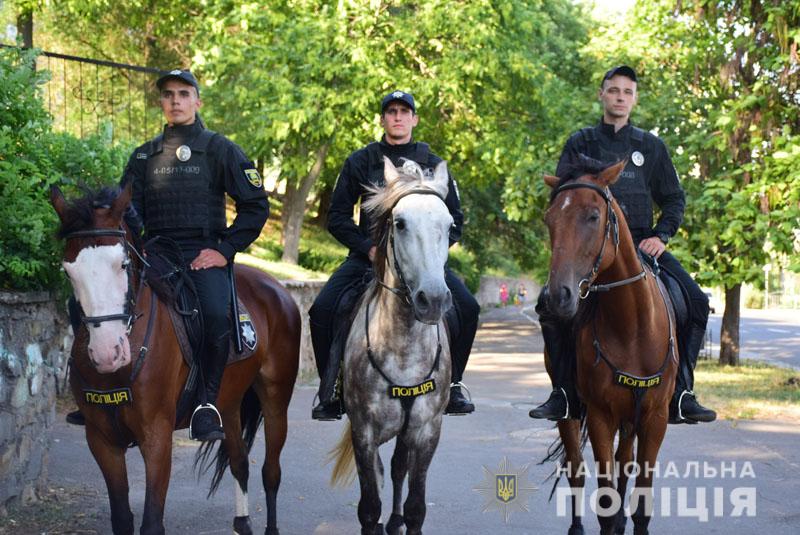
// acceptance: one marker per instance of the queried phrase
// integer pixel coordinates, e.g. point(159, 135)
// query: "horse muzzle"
point(429, 306)
point(562, 301)
point(109, 349)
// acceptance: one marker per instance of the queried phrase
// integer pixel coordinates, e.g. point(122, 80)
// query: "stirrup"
point(681, 418)
point(199, 407)
point(462, 385)
point(566, 398)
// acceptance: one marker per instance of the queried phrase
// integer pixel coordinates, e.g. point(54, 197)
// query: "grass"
point(754, 390)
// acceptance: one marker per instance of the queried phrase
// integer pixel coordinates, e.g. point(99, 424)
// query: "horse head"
point(583, 224)
point(97, 264)
point(412, 229)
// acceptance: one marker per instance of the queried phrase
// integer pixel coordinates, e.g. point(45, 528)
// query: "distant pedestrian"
point(522, 293)
point(503, 294)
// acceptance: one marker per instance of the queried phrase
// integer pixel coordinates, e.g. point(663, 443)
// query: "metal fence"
point(88, 96)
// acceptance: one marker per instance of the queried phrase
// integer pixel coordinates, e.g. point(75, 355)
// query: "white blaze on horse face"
point(421, 249)
point(567, 201)
point(100, 282)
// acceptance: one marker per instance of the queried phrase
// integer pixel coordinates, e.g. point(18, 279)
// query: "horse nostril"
point(565, 294)
point(117, 352)
point(422, 300)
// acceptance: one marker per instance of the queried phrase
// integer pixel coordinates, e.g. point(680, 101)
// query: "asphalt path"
point(506, 376)
point(770, 335)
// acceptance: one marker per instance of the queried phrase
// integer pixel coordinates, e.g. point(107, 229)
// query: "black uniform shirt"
point(235, 175)
point(659, 179)
point(350, 188)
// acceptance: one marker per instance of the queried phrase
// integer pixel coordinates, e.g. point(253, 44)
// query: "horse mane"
point(580, 165)
point(79, 213)
point(383, 200)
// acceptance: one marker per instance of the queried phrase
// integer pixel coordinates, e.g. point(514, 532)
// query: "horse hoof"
point(575, 530)
point(241, 525)
point(396, 522)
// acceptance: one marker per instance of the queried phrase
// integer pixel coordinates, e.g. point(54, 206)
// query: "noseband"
point(127, 315)
point(612, 227)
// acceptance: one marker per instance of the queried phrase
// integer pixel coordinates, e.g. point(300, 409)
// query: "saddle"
point(168, 277)
point(679, 297)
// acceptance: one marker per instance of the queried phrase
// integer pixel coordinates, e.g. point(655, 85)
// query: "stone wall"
point(33, 336)
point(304, 293)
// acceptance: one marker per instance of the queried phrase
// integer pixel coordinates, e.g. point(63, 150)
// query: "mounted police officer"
point(365, 167)
point(648, 177)
point(180, 179)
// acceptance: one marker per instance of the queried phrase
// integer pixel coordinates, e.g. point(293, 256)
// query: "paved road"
point(771, 335)
point(506, 375)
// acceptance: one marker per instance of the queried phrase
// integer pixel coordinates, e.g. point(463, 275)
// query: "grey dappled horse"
point(397, 357)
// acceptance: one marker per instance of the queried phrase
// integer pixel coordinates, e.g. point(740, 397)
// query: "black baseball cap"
point(179, 74)
point(622, 70)
point(400, 96)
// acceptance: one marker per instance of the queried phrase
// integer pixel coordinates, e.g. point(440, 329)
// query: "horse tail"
point(344, 470)
point(557, 453)
point(250, 415)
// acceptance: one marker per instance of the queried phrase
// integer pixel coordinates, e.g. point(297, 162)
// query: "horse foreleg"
point(421, 451)
point(601, 434)
point(156, 450)
point(369, 506)
point(623, 458)
point(650, 438)
point(111, 460)
point(274, 404)
point(399, 471)
point(570, 432)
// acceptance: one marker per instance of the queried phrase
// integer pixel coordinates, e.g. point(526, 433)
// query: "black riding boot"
point(329, 406)
point(684, 407)
point(563, 401)
point(206, 423)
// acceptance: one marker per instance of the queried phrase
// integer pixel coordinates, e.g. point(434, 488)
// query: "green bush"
point(463, 263)
point(32, 158)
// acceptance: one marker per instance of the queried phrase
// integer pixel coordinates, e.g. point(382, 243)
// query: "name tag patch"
point(117, 396)
point(632, 381)
point(425, 387)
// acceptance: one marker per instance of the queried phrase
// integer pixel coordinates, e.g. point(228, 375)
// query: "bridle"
point(128, 315)
point(612, 228)
point(404, 290)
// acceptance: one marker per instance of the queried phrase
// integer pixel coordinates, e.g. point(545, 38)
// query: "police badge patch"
point(637, 158)
point(184, 153)
point(248, 331)
point(252, 175)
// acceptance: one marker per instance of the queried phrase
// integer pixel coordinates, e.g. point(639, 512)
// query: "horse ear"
point(122, 201)
point(58, 201)
point(550, 180)
point(389, 171)
point(609, 175)
point(441, 179)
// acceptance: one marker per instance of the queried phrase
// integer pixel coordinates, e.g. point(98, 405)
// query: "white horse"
point(397, 357)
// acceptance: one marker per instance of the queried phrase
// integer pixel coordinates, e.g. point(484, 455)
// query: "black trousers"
point(462, 322)
point(214, 294)
point(560, 343)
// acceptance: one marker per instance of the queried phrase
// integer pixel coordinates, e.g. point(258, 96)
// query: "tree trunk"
point(294, 207)
point(25, 27)
point(729, 334)
point(324, 201)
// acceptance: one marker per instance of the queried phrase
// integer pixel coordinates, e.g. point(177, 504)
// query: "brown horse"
point(139, 394)
point(625, 344)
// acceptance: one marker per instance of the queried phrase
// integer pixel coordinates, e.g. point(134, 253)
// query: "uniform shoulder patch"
point(141, 155)
point(251, 174)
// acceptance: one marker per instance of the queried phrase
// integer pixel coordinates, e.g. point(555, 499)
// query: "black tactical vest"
point(632, 188)
point(182, 195)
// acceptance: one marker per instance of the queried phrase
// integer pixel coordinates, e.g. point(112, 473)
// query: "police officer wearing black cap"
point(362, 168)
point(180, 179)
point(648, 177)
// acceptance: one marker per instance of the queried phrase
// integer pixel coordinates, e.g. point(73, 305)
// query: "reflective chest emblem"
point(116, 396)
point(184, 153)
point(425, 387)
point(637, 158)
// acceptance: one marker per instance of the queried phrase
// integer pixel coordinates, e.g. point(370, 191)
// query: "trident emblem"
point(506, 487)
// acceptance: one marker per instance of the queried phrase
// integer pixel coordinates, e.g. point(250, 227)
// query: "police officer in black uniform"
point(649, 177)
point(179, 182)
point(364, 167)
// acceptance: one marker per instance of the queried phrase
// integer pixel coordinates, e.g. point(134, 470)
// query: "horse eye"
point(400, 224)
point(593, 216)
point(125, 264)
